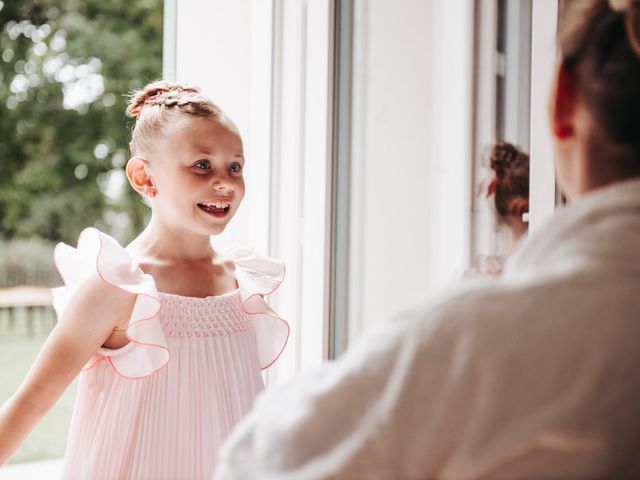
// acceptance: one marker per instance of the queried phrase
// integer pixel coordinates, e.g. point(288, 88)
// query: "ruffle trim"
point(98, 253)
point(258, 277)
point(147, 351)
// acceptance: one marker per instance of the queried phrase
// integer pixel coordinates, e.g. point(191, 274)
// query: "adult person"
point(533, 375)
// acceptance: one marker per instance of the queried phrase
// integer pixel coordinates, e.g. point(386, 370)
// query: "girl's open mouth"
point(217, 209)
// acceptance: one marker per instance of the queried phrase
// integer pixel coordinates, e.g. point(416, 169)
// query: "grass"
point(20, 342)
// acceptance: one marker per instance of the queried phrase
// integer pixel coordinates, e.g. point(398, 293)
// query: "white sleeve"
point(491, 383)
point(362, 416)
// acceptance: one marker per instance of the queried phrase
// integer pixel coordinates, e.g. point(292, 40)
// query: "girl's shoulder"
point(259, 276)
point(100, 274)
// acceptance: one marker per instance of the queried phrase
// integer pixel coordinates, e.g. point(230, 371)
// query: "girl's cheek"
point(198, 178)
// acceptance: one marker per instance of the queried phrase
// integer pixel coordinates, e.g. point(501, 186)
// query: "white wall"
point(411, 153)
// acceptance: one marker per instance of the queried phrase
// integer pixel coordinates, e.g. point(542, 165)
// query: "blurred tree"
point(65, 67)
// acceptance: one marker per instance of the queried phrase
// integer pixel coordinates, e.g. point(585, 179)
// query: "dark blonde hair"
point(599, 44)
point(159, 102)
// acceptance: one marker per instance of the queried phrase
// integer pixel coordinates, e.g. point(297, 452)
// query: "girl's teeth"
point(216, 205)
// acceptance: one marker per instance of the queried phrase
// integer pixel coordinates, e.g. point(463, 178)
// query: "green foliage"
point(65, 67)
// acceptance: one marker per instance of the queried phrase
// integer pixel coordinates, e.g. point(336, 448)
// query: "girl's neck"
point(163, 243)
point(516, 232)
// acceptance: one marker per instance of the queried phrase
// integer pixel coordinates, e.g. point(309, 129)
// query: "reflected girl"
point(509, 190)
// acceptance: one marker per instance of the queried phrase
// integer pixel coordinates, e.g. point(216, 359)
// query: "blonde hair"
point(160, 102)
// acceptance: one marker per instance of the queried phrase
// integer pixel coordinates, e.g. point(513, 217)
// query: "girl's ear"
point(563, 105)
point(139, 178)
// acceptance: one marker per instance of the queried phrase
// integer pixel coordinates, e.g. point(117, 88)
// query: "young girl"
point(169, 333)
point(510, 191)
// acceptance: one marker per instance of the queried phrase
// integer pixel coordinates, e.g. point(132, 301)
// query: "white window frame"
point(169, 39)
point(301, 185)
point(542, 179)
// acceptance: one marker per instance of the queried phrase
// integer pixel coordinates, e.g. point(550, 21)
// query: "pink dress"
point(159, 407)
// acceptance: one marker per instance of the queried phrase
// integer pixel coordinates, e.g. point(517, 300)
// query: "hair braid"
point(157, 103)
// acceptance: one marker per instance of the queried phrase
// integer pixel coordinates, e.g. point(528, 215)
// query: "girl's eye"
point(235, 168)
point(203, 165)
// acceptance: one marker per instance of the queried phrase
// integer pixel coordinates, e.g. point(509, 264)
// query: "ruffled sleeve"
point(257, 277)
point(98, 253)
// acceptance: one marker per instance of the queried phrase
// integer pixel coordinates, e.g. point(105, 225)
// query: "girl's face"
point(197, 171)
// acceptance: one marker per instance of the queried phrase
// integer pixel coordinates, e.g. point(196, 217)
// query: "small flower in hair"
point(147, 101)
point(492, 187)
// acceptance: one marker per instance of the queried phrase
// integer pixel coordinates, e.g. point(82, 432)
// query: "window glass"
point(64, 71)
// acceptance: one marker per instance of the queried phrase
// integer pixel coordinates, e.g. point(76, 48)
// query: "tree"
point(65, 69)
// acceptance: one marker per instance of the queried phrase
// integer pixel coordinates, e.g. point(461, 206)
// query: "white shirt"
point(534, 375)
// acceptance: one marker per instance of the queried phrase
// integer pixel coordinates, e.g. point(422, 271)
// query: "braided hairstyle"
point(510, 185)
point(599, 44)
point(157, 103)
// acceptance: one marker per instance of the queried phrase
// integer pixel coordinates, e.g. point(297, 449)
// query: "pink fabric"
point(160, 406)
point(100, 254)
point(258, 277)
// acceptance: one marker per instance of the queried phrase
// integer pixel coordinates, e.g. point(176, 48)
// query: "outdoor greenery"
point(65, 69)
point(20, 342)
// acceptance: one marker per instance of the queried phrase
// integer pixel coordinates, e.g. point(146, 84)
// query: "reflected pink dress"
point(159, 407)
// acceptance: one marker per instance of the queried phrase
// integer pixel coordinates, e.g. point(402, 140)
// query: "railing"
point(33, 304)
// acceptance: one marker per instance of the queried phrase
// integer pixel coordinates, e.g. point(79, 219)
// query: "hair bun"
point(154, 93)
point(503, 157)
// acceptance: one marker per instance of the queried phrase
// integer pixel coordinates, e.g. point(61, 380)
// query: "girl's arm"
point(88, 321)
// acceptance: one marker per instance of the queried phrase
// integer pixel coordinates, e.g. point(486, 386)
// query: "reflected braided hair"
point(159, 102)
point(510, 185)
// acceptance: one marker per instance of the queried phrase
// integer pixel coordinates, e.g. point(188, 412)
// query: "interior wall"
point(411, 154)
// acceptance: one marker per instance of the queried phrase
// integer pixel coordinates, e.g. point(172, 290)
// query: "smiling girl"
point(169, 334)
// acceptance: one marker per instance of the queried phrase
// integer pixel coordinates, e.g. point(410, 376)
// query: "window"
point(360, 113)
point(502, 92)
point(276, 61)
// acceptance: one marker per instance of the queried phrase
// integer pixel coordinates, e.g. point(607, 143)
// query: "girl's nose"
point(221, 186)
